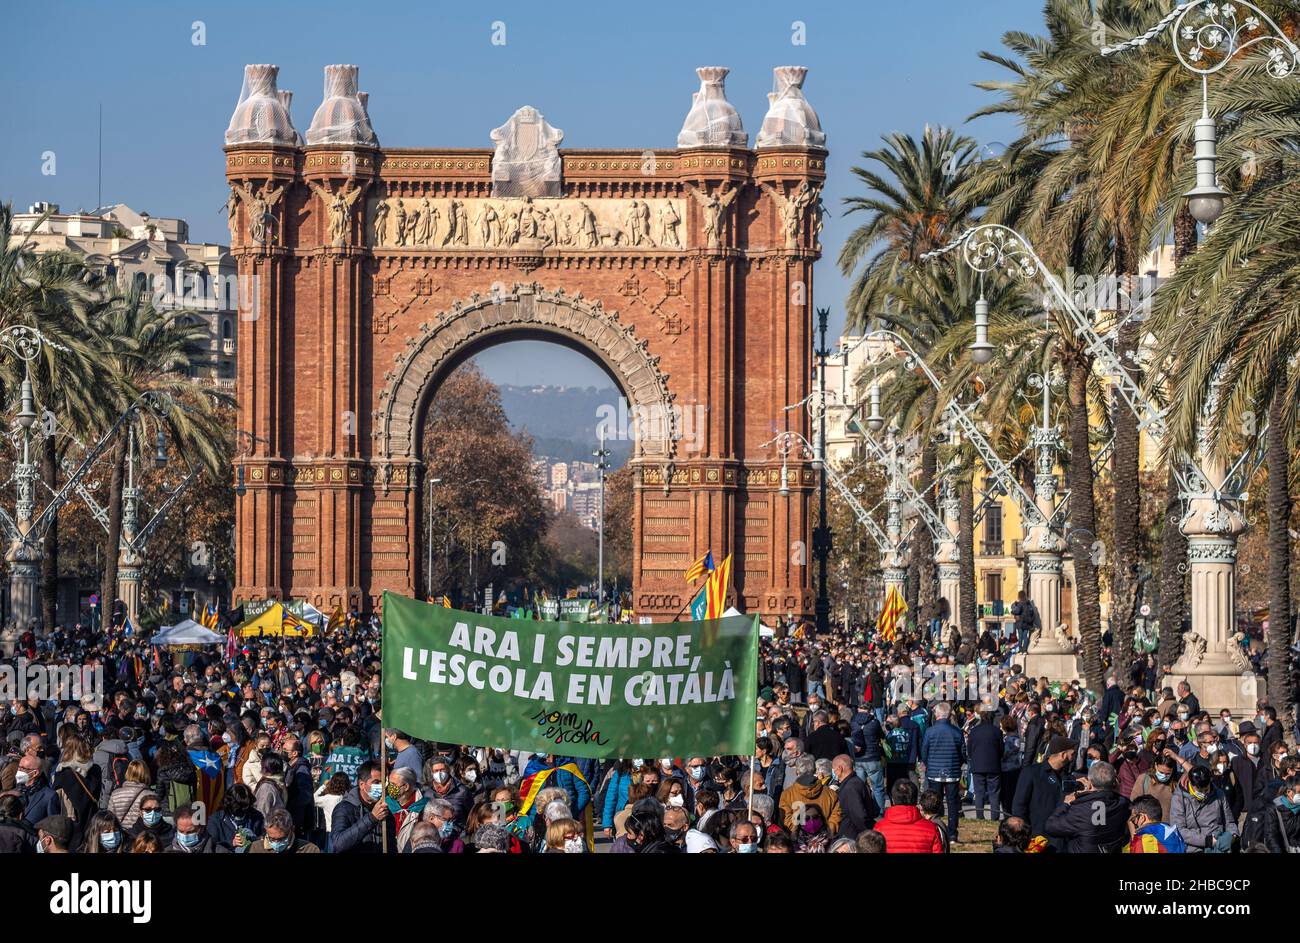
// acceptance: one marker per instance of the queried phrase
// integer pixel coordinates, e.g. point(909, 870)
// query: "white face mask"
point(573, 846)
point(1252, 749)
point(470, 775)
point(440, 777)
point(676, 801)
point(22, 777)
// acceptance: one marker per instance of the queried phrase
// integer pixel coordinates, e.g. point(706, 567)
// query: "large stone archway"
point(369, 271)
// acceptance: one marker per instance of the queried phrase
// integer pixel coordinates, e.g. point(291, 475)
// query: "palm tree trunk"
point(1083, 523)
point(113, 540)
point(50, 552)
point(1279, 561)
point(1126, 509)
point(1173, 544)
point(967, 620)
point(1173, 576)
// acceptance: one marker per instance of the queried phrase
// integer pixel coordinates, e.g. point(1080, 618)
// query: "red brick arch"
point(347, 329)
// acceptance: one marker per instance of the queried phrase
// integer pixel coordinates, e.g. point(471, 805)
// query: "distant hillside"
point(562, 420)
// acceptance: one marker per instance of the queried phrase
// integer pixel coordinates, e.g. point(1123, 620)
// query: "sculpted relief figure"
point(638, 224)
point(338, 206)
point(428, 226)
point(488, 224)
point(511, 234)
point(261, 211)
point(231, 210)
point(587, 238)
point(668, 223)
point(792, 210)
point(457, 224)
point(379, 224)
point(399, 221)
point(715, 206)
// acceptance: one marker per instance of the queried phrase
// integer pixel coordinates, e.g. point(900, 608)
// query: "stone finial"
point(286, 99)
point(789, 119)
point(341, 117)
point(712, 119)
point(527, 159)
point(262, 116)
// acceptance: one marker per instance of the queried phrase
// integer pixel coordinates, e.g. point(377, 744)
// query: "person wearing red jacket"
point(906, 831)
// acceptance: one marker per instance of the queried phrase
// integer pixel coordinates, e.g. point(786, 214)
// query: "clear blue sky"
point(608, 74)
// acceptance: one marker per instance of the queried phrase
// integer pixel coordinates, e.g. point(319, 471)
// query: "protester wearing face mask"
point(357, 819)
point(280, 838)
point(1201, 814)
point(443, 784)
point(54, 835)
point(151, 821)
point(104, 835)
point(191, 836)
point(1281, 819)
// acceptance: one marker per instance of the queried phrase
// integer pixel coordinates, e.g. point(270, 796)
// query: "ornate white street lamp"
point(1206, 36)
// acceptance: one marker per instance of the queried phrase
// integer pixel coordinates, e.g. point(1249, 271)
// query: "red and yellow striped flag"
point(719, 583)
point(887, 621)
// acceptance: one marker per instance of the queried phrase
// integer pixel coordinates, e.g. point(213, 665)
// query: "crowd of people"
point(861, 746)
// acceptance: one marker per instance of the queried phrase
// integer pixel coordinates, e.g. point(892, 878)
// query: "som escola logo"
point(77, 897)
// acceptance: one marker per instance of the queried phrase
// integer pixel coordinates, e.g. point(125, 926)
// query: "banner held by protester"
point(669, 689)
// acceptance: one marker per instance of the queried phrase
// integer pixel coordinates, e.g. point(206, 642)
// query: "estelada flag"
point(530, 786)
point(719, 583)
point(337, 618)
point(701, 566)
point(887, 621)
point(210, 784)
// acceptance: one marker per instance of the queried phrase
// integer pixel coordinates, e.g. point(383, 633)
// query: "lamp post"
point(1210, 490)
point(821, 535)
point(1206, 36)
point(428, 536)
point(1049, 654)
point(24, 553)
point(601, 454)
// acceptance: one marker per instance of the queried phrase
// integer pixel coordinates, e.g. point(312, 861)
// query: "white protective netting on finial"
point(342, 117)
point(790, 119)
point(261, 117)
point(712, 119)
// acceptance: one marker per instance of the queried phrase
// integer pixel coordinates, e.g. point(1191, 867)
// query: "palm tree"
point(150, 352)
point(910, 210)
point(47, 293)
point(1063, 186)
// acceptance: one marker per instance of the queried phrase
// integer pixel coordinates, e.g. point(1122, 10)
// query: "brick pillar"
point(333, 338)
point(264, 267)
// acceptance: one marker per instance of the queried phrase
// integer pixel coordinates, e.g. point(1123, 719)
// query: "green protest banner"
point(668, 689)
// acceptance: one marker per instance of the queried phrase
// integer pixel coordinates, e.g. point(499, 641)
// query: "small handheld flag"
point(701, 566)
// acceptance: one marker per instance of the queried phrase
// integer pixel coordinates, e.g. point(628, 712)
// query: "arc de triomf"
point(369, 273)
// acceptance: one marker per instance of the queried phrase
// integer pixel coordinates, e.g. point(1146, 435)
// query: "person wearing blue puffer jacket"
point(620, 781)
point(943, 750)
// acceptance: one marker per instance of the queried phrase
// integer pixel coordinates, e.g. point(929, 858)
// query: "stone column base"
point(1055, 666)
point(1237, 692)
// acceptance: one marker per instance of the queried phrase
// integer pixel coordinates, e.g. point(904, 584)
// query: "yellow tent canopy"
point(274, 623)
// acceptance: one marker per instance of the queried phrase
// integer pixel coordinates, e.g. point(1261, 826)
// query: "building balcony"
point(228, 346)
point(992, 548)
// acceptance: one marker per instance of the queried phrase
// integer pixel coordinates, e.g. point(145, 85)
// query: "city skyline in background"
point(164, 114)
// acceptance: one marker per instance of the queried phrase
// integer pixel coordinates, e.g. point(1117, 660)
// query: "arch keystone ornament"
point(382, 269)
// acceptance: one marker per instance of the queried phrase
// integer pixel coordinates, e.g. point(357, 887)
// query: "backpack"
point(178, 794)
point(117, 770)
